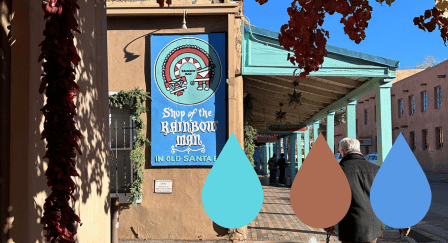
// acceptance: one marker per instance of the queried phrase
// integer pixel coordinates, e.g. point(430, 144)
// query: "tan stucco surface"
point(28, 181)
point(179, 215)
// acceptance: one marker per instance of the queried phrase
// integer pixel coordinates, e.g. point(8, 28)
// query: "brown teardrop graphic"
point(320, 195)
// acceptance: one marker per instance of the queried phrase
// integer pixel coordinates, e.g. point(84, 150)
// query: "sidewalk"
point(278, 223)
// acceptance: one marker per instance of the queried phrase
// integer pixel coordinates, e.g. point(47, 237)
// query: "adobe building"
point(197, 59)
point(418, 112)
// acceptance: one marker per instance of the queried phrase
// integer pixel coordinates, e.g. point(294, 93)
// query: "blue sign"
point(188, 93)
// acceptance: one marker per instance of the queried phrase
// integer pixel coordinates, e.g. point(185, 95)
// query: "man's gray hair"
point(350, 145)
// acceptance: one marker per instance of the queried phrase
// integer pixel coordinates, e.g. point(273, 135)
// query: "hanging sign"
point(188, 108)
point(286, 127)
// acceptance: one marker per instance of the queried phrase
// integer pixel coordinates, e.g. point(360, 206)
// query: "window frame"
point(411, 105)
point(425, 140)
point(424, 98)
point(366, 116)
point(412, 140)
point(400, 108)
point(439, 137)
point(438, 97)
point(123, 197)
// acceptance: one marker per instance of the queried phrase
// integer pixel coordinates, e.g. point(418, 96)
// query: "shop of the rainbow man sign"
point(188, 99)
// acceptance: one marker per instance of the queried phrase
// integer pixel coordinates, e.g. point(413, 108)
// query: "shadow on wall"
point(93, 164)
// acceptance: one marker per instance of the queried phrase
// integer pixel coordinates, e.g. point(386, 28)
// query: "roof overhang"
point(344, 76)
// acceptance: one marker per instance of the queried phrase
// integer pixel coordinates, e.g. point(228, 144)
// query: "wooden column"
point(351, 119)
point(330, 130)
point(384, 119)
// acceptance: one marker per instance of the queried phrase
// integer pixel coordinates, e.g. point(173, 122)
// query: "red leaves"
point(436, 19)
point(307, 41)
point(261, 2)
point(60, 56)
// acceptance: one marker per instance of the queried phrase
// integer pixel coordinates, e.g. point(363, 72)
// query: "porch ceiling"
point(268, 76)
point(317, 93)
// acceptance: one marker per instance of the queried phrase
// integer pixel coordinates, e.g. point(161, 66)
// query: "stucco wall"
point(179, 215)
point(28, 181)
point(432, 159)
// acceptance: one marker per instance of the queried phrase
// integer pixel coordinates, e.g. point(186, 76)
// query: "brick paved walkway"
point(277, 221)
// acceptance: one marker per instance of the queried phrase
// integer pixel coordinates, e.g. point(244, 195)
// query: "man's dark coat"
point(360, 224)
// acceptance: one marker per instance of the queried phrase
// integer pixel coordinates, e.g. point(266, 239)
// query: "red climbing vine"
point(306, 39)
point(58, 82)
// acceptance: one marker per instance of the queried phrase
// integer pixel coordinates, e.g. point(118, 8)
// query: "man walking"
point(360, 224)
point(273, 169)
point(282, 168)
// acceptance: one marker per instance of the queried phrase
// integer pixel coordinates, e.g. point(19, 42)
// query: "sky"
point(391, 32)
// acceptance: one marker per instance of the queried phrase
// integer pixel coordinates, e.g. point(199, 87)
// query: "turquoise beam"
point(307, 142)
point(292, 156)
point(315, 130)
point(299, 155)
point(330, 130)
point(359, 92)
point(351, 119)
point(383, 119)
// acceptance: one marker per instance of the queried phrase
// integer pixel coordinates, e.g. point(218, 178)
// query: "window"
point(374, 112)
point(356, 126)
point(425, 144)
point(439, 138)
point(438, 98)
point(412, 141)
point(121, 135)
point(411, 105)
point(400, 108)
point(366, 116)
point(424, 101)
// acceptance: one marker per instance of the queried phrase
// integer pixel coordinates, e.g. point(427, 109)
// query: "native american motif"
point(176, 76)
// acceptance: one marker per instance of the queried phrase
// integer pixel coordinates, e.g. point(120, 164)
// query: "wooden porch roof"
point(267, 75)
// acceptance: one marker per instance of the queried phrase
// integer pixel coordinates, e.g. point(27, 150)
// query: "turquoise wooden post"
point(307, 142)
point(330, 130)
point(265, 161)
point(292, 156)
point(268, 156)
point(384, 119)
point(351, 119)
point(279, 147)
point(299, 154)
point(285, 150)
point(315, 130)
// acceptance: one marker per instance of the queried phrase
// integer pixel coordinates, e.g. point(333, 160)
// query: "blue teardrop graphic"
point(400, 194)
point(232, 195)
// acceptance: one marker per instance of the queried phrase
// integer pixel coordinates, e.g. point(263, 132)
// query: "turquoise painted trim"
point(299, 154)
point(362, 90)
point(316, 129)
point(351, 119)
point(383, 119)
point(307, 142)
point(292, 157)
point(285, 147)
point(322, 72)
point(272, 37)
point(330, 130)
point(265, 155)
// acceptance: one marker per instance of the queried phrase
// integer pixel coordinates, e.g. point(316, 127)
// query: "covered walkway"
point(344, 77)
